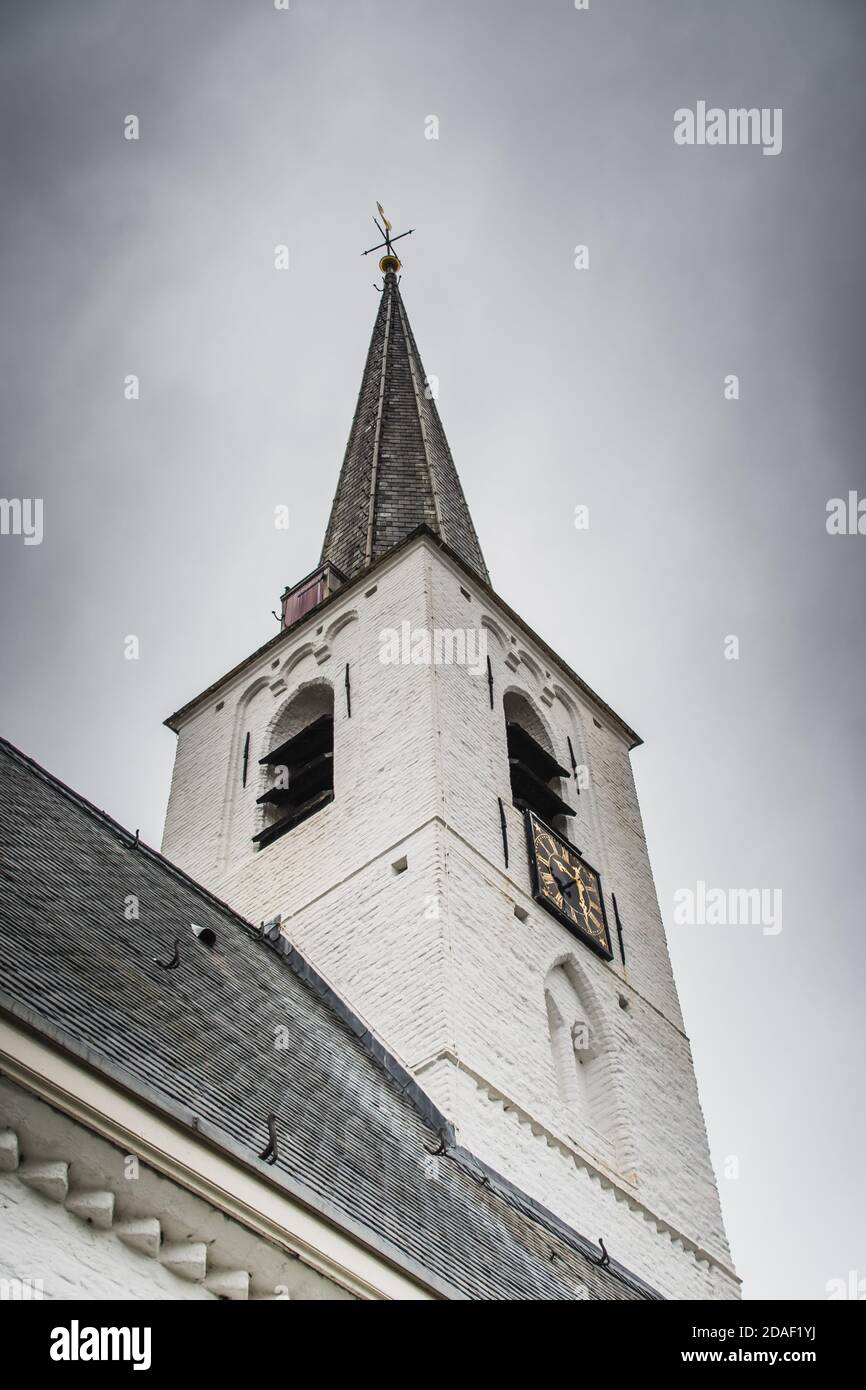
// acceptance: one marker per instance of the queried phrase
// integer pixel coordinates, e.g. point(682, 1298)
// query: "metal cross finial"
point(389, 261)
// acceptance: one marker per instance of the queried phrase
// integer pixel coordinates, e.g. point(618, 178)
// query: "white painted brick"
point(187, 1259)
point(95, 1207)
point(44, 1243)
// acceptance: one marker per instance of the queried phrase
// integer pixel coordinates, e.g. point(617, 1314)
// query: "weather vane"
point(389, 261)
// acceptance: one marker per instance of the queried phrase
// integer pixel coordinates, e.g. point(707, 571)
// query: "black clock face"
point(567, 886)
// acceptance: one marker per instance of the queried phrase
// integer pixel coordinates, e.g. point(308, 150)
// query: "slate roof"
point(397, 472)
point(198, 1044)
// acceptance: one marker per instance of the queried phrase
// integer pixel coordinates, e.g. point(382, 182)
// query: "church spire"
point(397, 472)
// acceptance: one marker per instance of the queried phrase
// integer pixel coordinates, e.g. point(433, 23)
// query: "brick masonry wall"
point(435, 957)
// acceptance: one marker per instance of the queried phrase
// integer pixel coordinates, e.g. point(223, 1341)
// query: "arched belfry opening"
point(536, 774)
point(298, 771)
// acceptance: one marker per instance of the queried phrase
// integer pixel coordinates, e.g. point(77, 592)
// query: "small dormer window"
point(299, 770)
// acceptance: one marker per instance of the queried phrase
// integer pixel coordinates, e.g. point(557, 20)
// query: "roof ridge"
point(120, 831)
point(413, 357)
point(434, 411)
point(377, 440)
point(386, 1061)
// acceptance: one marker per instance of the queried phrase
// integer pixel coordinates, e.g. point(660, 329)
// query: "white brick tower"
point(444, 816)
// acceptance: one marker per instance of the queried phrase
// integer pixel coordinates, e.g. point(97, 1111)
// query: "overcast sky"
point(558, 387)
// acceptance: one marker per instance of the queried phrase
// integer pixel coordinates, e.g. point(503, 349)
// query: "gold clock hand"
point(582, 895)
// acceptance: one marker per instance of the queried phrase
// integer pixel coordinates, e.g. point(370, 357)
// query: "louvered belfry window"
point(532, 771)
point(302, 769)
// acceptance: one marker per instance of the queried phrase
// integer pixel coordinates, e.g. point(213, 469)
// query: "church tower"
point(443, 816)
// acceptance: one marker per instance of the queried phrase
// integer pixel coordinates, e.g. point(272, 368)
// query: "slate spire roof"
point(397, 472)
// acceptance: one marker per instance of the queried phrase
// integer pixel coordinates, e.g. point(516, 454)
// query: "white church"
point(391, 1016)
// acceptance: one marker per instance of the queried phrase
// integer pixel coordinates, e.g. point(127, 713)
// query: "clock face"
point(567, 886)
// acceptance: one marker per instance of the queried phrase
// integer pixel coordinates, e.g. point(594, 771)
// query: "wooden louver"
point(532, 769)
point(308, 758)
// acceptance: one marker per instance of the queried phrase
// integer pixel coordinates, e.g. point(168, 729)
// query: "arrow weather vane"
point(389, 261)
